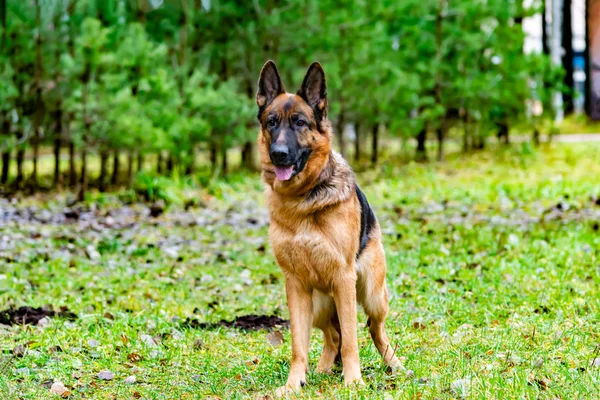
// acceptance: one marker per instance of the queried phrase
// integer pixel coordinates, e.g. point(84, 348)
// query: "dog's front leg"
point(299, 300)
point(344, 295)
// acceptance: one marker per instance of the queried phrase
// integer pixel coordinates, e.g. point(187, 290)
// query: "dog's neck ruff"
point(335, 184)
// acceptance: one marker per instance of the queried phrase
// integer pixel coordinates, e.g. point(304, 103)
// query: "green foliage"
point(176, 77)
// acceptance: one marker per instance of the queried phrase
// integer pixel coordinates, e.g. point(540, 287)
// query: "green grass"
point(488, 282)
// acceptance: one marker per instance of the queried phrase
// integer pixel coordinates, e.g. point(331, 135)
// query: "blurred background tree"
point(158, 85)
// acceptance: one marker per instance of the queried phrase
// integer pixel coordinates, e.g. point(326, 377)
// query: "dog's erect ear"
point(314, 90)
point(269, 85)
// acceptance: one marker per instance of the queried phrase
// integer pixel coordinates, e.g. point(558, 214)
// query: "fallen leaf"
point(418, 323)
point(134, 357)
point(275, 338)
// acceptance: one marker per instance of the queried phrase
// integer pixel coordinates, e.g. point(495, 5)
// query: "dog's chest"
point(309, 252)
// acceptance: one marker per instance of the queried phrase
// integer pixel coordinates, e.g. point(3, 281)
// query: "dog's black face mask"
point(287, 154)
point(291, 121)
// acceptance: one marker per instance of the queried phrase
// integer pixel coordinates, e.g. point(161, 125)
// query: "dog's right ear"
point(269, 85)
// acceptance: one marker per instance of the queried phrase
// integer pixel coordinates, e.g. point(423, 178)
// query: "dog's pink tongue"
point(284, 173)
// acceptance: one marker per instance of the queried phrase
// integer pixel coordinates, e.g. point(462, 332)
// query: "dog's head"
point(295, 137)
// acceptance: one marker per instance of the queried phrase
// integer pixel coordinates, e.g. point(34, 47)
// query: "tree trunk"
point(114, 180)
point(83, 178)
point(103, 168)
point(224, 164)
point(503, 133)
point(72, 169)
point(375, 143)
point(545, 47)
point(340, 132)
point(213, 156)
point(440, 137)
point(536, 137)
point(588, 64)
point(130, 168)
point(421, 154)
point(478, 139)
point(248, 156)
point(20, 158)
point(39, 104)
point(5, 153)
point(5, 167)
point(190, 169)
point(57, 146)
point(567, 58)
point(140, 161)
point(36, 154)
point(357, 143)
point(170, 163)
point(159, 163)
point(57, 174)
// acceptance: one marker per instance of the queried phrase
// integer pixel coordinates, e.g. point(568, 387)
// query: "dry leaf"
point(134, 357)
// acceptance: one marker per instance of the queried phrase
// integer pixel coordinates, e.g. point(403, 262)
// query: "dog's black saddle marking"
point(367, 220)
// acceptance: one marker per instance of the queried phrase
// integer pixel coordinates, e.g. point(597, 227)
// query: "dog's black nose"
point(279, 153)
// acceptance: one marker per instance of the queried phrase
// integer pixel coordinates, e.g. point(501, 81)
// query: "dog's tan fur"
point(314, 231)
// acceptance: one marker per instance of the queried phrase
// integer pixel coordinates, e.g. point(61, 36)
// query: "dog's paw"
point(324, 369)
point(353, 380)
point(395, 366)
point(288, 390)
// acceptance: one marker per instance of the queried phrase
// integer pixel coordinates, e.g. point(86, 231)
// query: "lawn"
point(493, 271)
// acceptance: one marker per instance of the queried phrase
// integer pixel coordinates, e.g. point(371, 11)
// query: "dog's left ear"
point(314, 90)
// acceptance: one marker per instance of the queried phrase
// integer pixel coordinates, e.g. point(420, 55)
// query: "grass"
point(493, 271)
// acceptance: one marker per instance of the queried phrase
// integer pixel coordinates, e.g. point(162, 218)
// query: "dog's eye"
point(271, 123)
point(300, 123)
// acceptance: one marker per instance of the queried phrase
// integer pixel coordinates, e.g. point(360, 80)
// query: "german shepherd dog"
point(324, 234)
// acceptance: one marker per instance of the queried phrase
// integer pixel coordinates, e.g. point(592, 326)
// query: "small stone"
point(92, 253)
point(151, 325)
point(22, 371)
point(92, 343)
point(206, 278)
point(43, 322)
point(105, 375)
point(176, 335)
point(130, 380)
point(238, 288)
point(154, 354)
point(19, 351)
point(245, 274)
point(461, 387)
point(513, 239)
point(198, 344)
point(148, 340)
point(275, 338)
point(58, 388)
